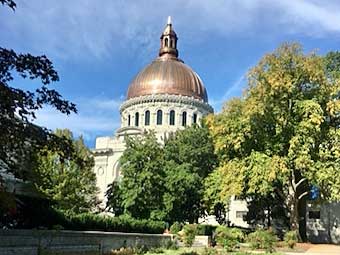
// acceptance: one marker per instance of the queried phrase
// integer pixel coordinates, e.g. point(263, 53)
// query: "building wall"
point(34, 242)
point(323, 222)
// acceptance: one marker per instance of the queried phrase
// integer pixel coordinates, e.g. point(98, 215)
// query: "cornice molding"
point(166, 99)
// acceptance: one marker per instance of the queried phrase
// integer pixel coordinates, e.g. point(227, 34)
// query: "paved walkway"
point(320, 249)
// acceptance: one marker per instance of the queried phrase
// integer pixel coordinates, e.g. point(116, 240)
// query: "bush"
point(189, 233)
point(189, 253)
point(122, 251)
point(209, 251)
point(291, 238)
point(228, 238)
point(90, 221)
point(175, 228)
point(156, 250)
point(262, 239)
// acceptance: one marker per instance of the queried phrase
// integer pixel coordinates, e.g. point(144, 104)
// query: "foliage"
point(90, 221)
point(122, 251)
point(262, 239)
point(20, 139)
point(215, 204)
point(164, 182)
point(10, 3)
point(114, 198)
point(71, 184)
point(142, 185)
point(190, 157)
point(209, 251)
point(156, 250)
point(175, 228)
point(228, 238)
point(169, 244)
point(291, 238)
point(189, 233)
point(189, 253)
point(283, 135)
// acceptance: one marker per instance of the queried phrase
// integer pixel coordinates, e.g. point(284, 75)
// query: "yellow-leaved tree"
point(283, 135)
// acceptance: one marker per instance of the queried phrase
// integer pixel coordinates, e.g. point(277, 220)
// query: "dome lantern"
point(167, 74)
point(168, 41)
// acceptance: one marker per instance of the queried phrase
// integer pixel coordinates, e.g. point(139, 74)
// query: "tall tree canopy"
point(283, 135)
point(70, 184)
point(164, 181)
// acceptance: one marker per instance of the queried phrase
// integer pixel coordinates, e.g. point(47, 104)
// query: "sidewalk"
point(320, 249)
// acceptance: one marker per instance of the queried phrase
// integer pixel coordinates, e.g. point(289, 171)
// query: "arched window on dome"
point(159, 117)
point(184, 119)
point(194, 118)
point(173, 43)
point(147, 118)
point(136, 119)
point(129, 120)
point(166, 42)
point(172, 118)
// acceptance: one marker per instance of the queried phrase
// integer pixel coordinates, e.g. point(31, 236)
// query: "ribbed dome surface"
point(167, 75)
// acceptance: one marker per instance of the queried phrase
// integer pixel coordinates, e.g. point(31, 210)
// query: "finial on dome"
point(168, 41)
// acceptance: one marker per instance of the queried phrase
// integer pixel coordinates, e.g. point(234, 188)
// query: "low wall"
point(38, 242)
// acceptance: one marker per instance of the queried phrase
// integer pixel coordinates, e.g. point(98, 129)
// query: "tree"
point(164, 182)
point(283, 135)
point(70, 184)
point(189, 156)
point(19, 138)
point(142, 186)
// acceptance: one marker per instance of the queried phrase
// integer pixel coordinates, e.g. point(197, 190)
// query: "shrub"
point(140, 249)
point(175, 228)
point(209, 251)
point(91, 221)
point(189, 253)
point(156, 250)
point(228, 238)
point(189, 233)
point(262, 239)
point(122, 251)
point(291, 238)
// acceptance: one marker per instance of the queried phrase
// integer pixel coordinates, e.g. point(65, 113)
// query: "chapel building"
point(166, 96)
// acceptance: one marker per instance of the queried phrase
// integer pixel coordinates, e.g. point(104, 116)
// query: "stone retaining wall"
point(43, 242)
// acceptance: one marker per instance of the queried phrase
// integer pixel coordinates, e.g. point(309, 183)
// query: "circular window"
point(100, 171)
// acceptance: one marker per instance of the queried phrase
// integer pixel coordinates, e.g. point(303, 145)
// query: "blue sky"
point(98, 47)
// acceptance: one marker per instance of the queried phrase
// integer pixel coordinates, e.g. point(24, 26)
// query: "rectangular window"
point(314, 214)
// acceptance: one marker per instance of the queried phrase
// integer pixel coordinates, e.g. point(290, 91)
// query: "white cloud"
point(95, 116)
point(233, 90)
point(86, 28)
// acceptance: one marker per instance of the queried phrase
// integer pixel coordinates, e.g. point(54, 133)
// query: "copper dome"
point(167, 74)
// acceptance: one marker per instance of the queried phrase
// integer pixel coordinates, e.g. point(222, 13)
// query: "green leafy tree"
point(164, 181)
point(283, 135)
point(142, 185)
point(71, 184)
point(190, 157)
point(20, 140)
